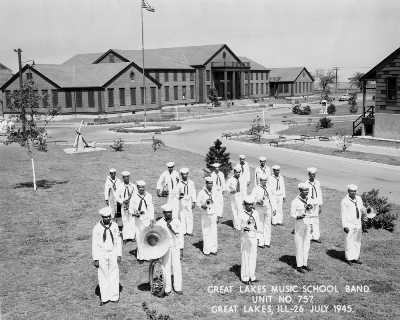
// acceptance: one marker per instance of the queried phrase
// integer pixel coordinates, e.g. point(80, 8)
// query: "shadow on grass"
point(144, 286)
point(229, 223)
point(198, 245)
point(336, 254)
point(236, 270)
point(133, 252)
point(44, 184)
point(289, 260)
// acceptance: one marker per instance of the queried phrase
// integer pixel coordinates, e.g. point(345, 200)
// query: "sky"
point(353, 35)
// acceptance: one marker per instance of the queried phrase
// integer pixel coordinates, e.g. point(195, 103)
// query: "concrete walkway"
point(332, 143)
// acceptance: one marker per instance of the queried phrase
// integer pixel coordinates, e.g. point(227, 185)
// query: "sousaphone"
point(154, 243)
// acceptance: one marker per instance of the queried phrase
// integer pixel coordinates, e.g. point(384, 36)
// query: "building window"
point(175, 76)
point(44, 99)
point(262, 87)
point(111, 58)
point(262, 75)
point(153, 95)
point(141, 95)
point(256, 75)
point(8, 98)
point(133, 96)
point(266, 76)
point(99, 98)
point(121, 96)
point(208, 75)
point(391, 89)
point(191, 76)
point(295, 87)
point(251, 88)
point(157, 76)
point(29, 75)
point(304, 86)
point(246, 89)
point(183, 92)
point(280, 88)
point(286, 88)
point(192, 92)
point(91, 98)
point(176, 93)
point(166, 93)
point(54, 97)
point(251, 75)
point(256, 88)
point(299, 87)
point(68, 99)
point(208, 89)
point(78, 99)
point(246, 76)
point(183, 75)
point(110, 97)
point(304, 74)
point(166, 76)
point(266, 88)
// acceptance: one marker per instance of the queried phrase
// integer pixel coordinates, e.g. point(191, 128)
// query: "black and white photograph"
point(200, 159)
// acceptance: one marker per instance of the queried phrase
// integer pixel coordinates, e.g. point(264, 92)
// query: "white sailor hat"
point(112, 170)
point(242, 156)
point(106, 211)
point(125, 173)
point(352, 187)
point(216, 165)
point(209, 179)
point(262, 158)
point(276, 167)
point(303, 185)
point(170, 164)
point(167, 207)
point(249, 199)
point(312, 170)
point(140, 183)
point(184, 170)
point(237, 167)
point(263, 176)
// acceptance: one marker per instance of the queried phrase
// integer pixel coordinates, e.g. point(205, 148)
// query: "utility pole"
point(20, 86)
point(336, 69)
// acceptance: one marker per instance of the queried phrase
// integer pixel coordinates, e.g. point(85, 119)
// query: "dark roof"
point(371, 74)
point(3, 67)
point(161, 58)
point(253, 65)
point(81, 76)
point(288, 74)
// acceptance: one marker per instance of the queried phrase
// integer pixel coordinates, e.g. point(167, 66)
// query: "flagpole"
point(144, 87)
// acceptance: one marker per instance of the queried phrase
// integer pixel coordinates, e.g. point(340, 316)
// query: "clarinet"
point(126, 202)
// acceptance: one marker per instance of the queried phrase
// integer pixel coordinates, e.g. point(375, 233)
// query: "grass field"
point(338, 128)
point(47, 271)
point(341, 110)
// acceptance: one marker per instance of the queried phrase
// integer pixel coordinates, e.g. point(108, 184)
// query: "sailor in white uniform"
point(167, 182)
point(245, 173)
point(315, 198)
point(277, 185)
point(110, 195)
point(262, 169)
point(219, 186)
point(234, 187)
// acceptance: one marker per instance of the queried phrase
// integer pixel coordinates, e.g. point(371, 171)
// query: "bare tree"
point(355, 80)
point(324, 80)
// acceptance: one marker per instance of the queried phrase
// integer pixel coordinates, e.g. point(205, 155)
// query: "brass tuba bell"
point(154, 242)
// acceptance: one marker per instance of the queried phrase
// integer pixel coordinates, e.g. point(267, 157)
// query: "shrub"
point(325, 123)
point(344, 142)
point(118, 145)
point(296, 109)
point(152, 314)
point(306, 111)
point(385, 217)
point(353, 103)
point(353, 108)
point(331, 109)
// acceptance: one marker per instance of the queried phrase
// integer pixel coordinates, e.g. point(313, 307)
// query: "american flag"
point(148, 7)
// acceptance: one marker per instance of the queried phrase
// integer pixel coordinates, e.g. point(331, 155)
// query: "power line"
point(6, 50)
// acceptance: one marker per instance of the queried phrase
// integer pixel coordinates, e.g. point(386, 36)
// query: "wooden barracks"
point(112, 82)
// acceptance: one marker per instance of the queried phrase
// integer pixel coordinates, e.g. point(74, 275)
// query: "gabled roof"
point(253, 65)
point(288, 74)
point(80, 76)
point(161, 58)
point(3, 67)
point(371, 74)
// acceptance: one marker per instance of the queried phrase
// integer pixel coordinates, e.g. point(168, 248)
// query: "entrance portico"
point(228, 78)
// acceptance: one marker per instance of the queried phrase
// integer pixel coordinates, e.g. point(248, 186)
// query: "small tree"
point(213, 97)
point(218, 154)
point(385, 216)
point(331, 109)
point(355, 80)
point(118, 145)
point(256, 128)
point(25, 101)
point(324, 80)
point(344, 142)
point(353, 103)
point(325, 123)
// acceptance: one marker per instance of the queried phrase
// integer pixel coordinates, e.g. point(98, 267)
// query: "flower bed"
point(132, 120)
point(137, 129)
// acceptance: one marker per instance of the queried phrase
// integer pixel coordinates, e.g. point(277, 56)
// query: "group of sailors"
point(130, 208)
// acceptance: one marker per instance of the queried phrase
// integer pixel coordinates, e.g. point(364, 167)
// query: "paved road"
point(198, 135)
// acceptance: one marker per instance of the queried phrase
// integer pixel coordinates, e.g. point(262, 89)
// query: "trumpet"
point(368, 213)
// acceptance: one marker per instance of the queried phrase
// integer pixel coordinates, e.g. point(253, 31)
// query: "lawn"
point(338, 128)
point(376, 142)
point(47, 270)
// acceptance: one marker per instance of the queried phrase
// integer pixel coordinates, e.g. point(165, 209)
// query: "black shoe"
point(189, 234)
point(316, 241)
point(262, 247)
point(307, 268)
point(206, 254)
point(141, 261)
point(247, 283)
point(274, 224)
point(300, 270)
point(254, 281)
point(103, 303)
point(179, 292)
point(292, 231)
point(349, 262)
point(280, 224)
point(167, 293)
point(214, 253)
point(357, 261)
point(268, 246)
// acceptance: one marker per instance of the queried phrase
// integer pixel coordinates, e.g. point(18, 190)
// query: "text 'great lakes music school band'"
point(130, 209)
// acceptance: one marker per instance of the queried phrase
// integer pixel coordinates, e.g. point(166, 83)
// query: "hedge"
point(144, 130)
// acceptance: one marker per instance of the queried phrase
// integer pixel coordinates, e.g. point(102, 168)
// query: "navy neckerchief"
point(105, 232)
point(113, 183)
point(313, 189)
point(355, 203)
point(141, 201)
point(251, 216)
point(278, 185)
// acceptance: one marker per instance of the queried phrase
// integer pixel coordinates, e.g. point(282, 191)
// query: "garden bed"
point(141, 129)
